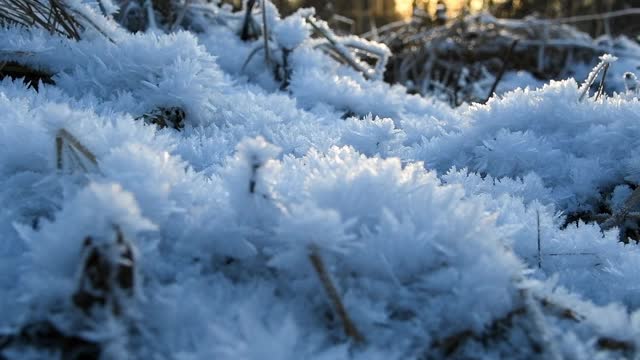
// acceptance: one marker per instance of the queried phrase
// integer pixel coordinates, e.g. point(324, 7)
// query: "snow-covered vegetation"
point(206, 193)
point(470, 57)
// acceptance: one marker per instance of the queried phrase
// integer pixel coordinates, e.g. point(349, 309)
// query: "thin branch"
point(338, 49)
point(503, 69)
point(251, 55)
point(602, 81)
point(348, 325)
point(265, 33)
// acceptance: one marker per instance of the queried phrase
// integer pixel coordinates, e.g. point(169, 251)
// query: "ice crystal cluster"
point(293, 206)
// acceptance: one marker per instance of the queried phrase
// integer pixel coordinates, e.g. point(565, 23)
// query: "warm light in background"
point(404, 7)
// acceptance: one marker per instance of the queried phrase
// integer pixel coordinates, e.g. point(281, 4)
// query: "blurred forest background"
point(463, 51)
point(359, 16)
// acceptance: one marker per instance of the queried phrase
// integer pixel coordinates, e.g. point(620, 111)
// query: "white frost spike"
point(255, 153)
point(257, 150)
point(249, 179)
point(307, 225)
point(608, 58)
point(292, 31)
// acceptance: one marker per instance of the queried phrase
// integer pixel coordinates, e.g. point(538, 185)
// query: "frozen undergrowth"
point(426, 219)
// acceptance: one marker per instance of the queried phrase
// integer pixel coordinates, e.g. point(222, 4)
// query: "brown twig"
point(348, 325)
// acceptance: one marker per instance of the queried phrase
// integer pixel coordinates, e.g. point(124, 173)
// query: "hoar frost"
point(270, 217)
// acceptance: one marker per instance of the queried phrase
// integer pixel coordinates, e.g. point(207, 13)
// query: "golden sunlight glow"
point(404, 7)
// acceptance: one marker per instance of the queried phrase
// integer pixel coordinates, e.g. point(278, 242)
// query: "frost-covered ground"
point(124, 239)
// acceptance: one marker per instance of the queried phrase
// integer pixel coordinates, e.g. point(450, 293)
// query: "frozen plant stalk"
point(348, 325)
point(603, 66)
point(63, 137)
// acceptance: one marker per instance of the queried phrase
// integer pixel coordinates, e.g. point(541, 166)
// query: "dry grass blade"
point(54, 16)
point(348, 325)
point(51, 15)
point(63, 137)
point(602, 66)
point(602, 81)
point(251, 55)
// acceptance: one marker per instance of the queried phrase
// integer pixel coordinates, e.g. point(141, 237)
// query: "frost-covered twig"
point(63, 137)
point(339, 50)
point(602, 82)
point(325, 278)
point(339, 46)
point(603, 65)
